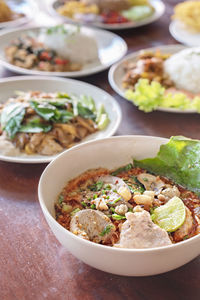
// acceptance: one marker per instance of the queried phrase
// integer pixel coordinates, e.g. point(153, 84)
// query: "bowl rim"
point(86, 242)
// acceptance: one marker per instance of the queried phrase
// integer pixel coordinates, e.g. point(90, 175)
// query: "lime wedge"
point(171, 215)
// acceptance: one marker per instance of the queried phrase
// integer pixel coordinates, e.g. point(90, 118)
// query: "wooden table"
point(34, 266)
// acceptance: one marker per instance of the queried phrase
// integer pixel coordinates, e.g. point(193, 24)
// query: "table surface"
point(33, 265)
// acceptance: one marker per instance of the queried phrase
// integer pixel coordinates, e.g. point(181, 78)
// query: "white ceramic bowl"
point(110, 153)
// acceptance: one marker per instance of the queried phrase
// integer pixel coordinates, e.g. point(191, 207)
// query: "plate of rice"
point(165, 78)
point(63, 50)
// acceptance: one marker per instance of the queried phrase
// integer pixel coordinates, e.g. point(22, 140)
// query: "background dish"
point(130, 262)
point(27, 8)
point(182, 35)
point(116, 73)
point(111, 49)
point(9, 86)
point(159, 7)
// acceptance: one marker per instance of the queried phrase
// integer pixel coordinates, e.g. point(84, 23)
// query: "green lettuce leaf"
point(149, 96)
point(178, 160)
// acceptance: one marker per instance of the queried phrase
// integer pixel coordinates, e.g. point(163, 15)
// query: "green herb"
point(102, 118)
point(179, 160)
point(83, 204)
point(88, 101)
point(12, 116)
point(115, 201)
point(108, 187)
point(93, 206)
point(95, 196)
point(74, 211)
point(122, 169)
point(96, 186)
point(130, 209)
point(60, 199)
point(45, 110)
point(118, 217)
point(186, 237)
point(35, 126)
point(63, 96)
point(57, 29)
point(85, 112)
point(106, 230)
point(112, 209)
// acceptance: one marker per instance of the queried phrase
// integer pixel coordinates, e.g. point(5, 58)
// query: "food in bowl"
point(6, 13)
point(188, 14)
point(106, 11)
point(164, 80)
point(55, 49)
point(139, 205)
point(40, 123)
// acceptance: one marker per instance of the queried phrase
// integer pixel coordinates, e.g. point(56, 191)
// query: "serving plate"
point(111, 49)
point(25, 7)
point(159, 8)
point(116, 73)
point(182, 35)
point(52, 84)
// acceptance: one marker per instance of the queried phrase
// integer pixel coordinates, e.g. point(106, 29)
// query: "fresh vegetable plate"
point(10, 86)
point(117, 72)
point(25, 8)
point(111, 48)
point(159, 9)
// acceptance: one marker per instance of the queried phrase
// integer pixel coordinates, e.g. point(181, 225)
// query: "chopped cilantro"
point(118, 217)
point(93, 206)
point(106, 230)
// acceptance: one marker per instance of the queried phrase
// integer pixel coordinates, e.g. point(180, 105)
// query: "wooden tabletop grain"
point(33, 265)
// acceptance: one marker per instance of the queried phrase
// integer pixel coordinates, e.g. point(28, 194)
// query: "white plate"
point(27, 8)
point(158, 5)
point(52, 84)
point(111, 48)
point(182, 35)
point(116, 73)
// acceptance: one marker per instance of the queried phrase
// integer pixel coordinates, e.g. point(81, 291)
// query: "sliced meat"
point(140, 232)
point(186, 228)
point(117, 184)
point(49, 146)
point(151, 182)
point(91, 224)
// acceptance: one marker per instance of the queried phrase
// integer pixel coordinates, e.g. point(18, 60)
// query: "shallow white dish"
point(182, 35)
point(52, 84)
point(109, 153)
point(159, 7)
point(27, 8)
point(111, 48)
point(116, 73)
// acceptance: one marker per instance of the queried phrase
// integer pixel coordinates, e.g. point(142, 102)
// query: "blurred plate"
point(24, 7)
point(52, 84)
point(111, 49)
point(116, 73)
point(158, 5)
point(182, 35)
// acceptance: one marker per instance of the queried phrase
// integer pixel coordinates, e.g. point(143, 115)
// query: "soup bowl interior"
point(109, 153)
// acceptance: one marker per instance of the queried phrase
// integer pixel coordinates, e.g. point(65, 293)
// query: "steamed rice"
point(74, 44)
point(184, 69)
